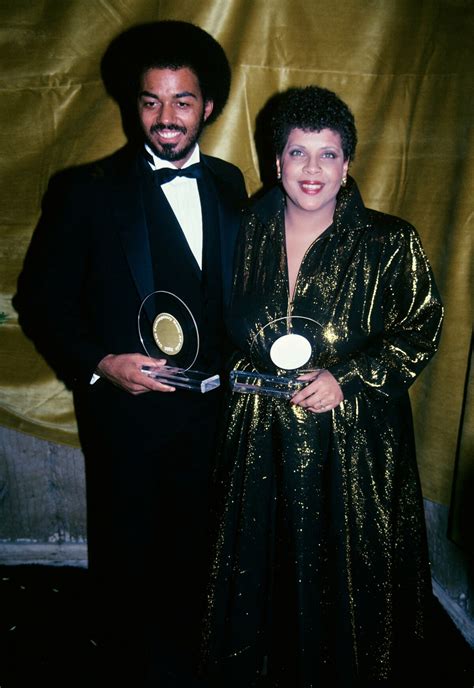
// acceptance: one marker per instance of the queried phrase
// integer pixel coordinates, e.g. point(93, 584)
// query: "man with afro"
point(113, 233)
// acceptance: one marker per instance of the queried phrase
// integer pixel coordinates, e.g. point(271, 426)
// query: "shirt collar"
point(157, 163)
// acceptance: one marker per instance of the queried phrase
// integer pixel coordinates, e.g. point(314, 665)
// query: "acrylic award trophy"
point(167, 329)
point(281, 351)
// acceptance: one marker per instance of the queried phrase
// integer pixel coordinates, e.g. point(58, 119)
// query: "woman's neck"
point(302, 228)
point(306, 223)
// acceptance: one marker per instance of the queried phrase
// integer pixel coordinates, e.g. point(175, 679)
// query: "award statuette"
point(285, 345)
point(167, 329)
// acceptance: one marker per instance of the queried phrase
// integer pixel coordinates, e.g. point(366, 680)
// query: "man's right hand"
point(123, 370)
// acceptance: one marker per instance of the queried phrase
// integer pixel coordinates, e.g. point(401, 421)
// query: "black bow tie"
point(166, 174)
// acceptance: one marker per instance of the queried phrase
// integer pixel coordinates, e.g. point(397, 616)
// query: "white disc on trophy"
point(290, 351)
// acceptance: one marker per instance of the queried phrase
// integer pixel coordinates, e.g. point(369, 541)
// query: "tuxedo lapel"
point(133, 231)
point(228, 227)
point(165, 230)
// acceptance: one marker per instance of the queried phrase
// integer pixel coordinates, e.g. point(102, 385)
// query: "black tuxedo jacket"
point(88, 269)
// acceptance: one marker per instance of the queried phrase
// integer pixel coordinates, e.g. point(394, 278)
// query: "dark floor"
point(46, 629)
point(47, 634)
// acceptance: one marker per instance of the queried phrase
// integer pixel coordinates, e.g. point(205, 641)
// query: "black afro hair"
point(166, 44)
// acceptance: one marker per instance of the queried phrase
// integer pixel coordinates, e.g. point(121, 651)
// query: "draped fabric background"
point(404, 67)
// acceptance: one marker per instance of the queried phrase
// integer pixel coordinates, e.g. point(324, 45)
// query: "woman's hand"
point(321, 395)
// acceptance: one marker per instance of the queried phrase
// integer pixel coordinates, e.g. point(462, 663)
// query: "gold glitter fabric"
point(320, 572)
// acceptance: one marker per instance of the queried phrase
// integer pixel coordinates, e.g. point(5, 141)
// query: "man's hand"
point(321, 395)
point(123, 370)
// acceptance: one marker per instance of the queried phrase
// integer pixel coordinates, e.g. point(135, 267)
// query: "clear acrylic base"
point(193, 380)
point(266, 384)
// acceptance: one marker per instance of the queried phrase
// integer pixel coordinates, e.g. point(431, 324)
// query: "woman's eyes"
point(297, 153)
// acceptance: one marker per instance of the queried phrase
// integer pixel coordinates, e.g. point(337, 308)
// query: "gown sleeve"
point(412, 320)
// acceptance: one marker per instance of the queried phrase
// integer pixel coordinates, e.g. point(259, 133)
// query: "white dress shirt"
point(183, 196)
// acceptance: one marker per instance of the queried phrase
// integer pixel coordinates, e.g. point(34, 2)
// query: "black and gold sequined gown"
point(320, 573)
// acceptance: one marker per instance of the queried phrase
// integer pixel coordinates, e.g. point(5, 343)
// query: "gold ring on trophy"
point(168, 334)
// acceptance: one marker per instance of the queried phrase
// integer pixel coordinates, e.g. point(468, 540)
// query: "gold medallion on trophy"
point(168, 334)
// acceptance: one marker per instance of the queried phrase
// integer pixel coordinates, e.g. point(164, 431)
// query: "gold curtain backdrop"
point(404, 67)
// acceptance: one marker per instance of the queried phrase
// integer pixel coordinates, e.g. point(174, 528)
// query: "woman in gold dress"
point(320, 573)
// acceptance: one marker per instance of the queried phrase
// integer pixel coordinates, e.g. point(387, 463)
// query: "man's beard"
point(167, 151)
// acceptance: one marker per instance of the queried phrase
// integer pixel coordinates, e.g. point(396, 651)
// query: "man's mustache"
point(167, 127)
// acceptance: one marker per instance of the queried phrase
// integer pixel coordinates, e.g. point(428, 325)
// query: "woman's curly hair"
point(313, 108)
